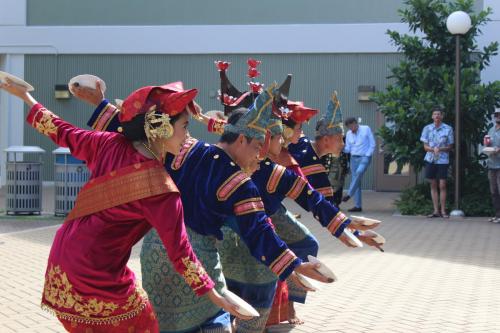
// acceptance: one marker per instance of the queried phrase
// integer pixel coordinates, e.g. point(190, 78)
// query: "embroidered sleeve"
point(327, 191)
point(313, 169)
point(84, 145)
point(298, 186)
point(248, 206)
point(216, 126)
point(274, 179)
point(194, 274)
point(317, 202)
point(336, 222)
point(231, 184)
point(105, 117)
point(257, 231)
point(281, 263)
point(43, 121)
point(179, 159)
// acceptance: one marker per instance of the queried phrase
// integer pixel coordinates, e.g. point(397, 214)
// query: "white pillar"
point(12, 13)
point(11, 111)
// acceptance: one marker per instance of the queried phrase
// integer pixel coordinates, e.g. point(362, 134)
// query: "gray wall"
point(163, 12)
point(170, 12)
point(314, 78)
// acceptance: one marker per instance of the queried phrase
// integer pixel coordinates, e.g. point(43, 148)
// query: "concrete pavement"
point(435, 276)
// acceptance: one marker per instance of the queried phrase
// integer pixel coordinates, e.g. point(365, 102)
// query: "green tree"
point(426, 77)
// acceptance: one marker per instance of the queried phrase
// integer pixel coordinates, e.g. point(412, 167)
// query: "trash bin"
point(24, 180)
point(70, 174)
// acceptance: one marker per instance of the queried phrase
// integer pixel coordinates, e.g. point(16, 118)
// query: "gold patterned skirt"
point(88, 314)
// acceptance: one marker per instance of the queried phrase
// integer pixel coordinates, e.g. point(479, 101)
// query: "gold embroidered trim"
point(231, 185)
point(45, 124)
point(141, 181)
point(103, 112)
point(280, 264)
point(181, 158)
point(218, 126)
point(248, 206)
point(115, 113)
point(336, 222)
point(193, 273)
point(274, 180)
point(297, 188)
point(327, 191)
point(313, 169)
point(58, 291)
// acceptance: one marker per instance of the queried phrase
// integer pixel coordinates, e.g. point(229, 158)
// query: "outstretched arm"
point(83, 144)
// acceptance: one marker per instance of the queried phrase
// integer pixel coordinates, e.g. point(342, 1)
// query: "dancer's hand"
point(222, 302)
point(92, 96)
point(18, 91)
point(371, 238)
point(310, 270)
point(298, 282)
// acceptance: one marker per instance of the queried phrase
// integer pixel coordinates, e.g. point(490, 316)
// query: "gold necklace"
point(151, 151)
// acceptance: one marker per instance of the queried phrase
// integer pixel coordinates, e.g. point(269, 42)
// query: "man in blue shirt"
point(438, 141)
point(360, 143)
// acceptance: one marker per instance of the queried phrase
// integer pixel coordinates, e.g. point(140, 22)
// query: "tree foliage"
point(426, 78)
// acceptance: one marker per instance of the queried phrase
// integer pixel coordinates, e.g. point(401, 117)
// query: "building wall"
point(326, 44)
point(315, 76)
point(192, 12)
point(198, 12)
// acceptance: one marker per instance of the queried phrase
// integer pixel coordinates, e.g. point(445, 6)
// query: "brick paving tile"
point(435, 276)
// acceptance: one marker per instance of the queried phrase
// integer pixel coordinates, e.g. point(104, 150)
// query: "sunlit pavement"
point(436, 275)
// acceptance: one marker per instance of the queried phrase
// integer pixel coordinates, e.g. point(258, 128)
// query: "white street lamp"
point(458, 23)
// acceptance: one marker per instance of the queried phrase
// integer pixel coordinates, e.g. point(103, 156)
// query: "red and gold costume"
point(88, 285)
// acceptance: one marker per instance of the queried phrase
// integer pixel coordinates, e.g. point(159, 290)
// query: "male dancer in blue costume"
point(329, 139)
point(244, 275)
point(214, 188)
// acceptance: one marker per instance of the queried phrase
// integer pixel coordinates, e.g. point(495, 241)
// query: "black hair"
point(230, 137)
point(289, 122)
point(133, 130)
point(437, 108)
point(350, 120)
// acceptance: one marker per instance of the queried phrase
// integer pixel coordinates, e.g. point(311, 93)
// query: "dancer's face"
point(174, 144)
point(246, 151)
point(275, 144)
point(297, 131)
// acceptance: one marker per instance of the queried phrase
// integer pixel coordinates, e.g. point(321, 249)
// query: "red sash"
point(131, 183)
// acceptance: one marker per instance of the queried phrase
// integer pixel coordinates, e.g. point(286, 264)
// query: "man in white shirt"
point(360, 143)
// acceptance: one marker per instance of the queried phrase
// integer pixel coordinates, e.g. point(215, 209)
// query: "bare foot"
point(292, 315)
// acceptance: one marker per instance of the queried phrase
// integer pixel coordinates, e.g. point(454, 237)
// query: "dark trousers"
point(494, 178)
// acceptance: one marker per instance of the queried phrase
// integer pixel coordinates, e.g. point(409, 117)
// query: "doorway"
point(390, 175)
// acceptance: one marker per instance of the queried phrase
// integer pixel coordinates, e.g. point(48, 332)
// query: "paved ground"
point(435, 276)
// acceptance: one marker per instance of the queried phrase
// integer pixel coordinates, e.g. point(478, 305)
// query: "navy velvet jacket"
point(311, 166)
point(275, 182)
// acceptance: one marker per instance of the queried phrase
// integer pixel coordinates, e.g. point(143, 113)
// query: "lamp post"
point(458, 23)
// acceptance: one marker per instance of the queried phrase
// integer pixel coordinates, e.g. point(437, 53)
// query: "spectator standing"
point(438, 141)
point(360, 143)
point(493, 140)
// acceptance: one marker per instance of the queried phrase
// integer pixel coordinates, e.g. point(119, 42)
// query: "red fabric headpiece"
point(300, 113)
point(170, 98)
